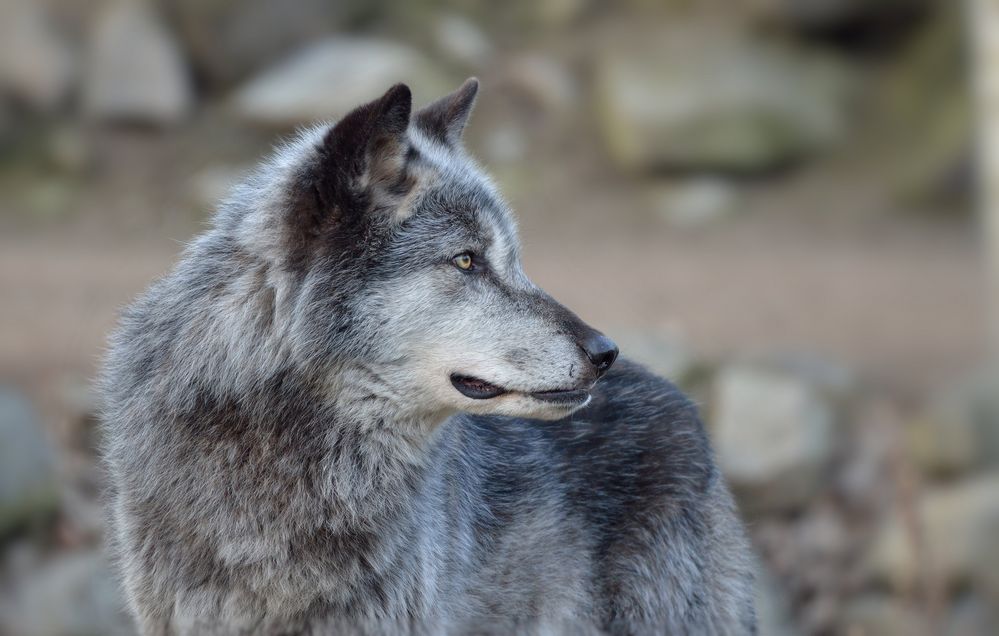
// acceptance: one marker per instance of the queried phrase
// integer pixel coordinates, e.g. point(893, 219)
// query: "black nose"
point(601, 351)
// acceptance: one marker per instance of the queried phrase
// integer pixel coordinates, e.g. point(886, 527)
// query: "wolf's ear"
point(364, 151)
point(445, 119)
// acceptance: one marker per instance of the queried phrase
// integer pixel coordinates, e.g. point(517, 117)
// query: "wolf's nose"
point(601, 351)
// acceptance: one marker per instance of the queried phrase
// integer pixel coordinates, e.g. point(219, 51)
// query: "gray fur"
point(288, 455)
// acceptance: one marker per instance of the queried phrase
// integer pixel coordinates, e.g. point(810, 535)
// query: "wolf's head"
point(405, 265)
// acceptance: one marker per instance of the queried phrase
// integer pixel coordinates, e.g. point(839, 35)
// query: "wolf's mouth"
point(567, 397)
point(477, 389)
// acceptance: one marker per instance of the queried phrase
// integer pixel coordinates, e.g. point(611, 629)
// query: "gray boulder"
point(135, 70)
point(28, 489)
point(36, 64)
point(958, 524)
point(884, 616)
point(705, 98)
point(543, 81)
point(773, 611)
point(665, 355)
point(462, 42)
point(773, 433)
point(72, 595)
point(695, 202)
point(959, 431)
point(327, 79)
point(212, 184)
point(228, 40)
point(825, 15)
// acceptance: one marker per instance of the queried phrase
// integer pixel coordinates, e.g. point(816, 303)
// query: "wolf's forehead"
point(458, 182)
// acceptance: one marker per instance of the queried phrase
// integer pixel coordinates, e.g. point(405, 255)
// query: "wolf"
point(348, 410)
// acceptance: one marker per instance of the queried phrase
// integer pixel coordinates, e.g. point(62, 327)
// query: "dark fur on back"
point(289, 454)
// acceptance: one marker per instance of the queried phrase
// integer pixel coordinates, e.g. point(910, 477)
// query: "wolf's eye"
point(464, 261)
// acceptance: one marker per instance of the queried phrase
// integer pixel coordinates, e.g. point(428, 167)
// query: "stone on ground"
point(71, 595)
point(329, 78)
point(135, 69)
point(959, 524)
point(36, 64)
point(704, 98)
point(773, 433)
point(28, 489)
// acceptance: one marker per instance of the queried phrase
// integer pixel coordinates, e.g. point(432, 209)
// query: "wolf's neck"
point(378, 449)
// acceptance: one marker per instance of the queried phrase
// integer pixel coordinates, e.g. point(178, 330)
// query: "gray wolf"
point(348, 410)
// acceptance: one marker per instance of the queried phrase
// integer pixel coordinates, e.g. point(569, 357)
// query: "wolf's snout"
point(600, 350)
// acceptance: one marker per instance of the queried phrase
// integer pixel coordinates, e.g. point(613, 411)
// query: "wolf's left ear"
point(365, 151)
point(445, 119)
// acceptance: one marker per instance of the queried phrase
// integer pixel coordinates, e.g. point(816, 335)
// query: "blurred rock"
point(883, 616)
point(79, 401)
point(707, 98)
point(773, 611)
point(329, 78)
point(695, 202)
point(863, 480)
point(833, 381)
point(818, 613)
point(6, 123)
point(822, 535)
point(229, 39)
point(211, 185)
point(959, 524)
point(943, 444)
point(971, 616)
point(69, 150)
point(135, 71)
point(504, 143)
point(558, 13)
point(543, 80)
point(28, 489)
point(827, 15)
point(928, 90)
point(79, 398)
point(662, 354)
point(36, 64)
point(72, 595)
point(959, 432)
point(50, 196)
point(462, 42)
point(774, 437)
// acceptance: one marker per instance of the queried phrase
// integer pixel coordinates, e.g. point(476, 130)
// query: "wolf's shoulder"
point(631, 392)
point(640, 439)
point(640, 436)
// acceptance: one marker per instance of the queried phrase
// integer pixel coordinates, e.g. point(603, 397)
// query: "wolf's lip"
point(475, 388)
point(566, 397)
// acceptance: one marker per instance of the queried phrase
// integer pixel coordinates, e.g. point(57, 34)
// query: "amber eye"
point(463, 261)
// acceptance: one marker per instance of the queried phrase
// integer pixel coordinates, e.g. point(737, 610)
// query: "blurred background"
point(771, 202)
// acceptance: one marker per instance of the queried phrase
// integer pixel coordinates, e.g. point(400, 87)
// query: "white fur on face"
point(478, 332)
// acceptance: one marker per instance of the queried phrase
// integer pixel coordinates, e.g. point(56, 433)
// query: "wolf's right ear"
point(363, 151)
point(445, 119)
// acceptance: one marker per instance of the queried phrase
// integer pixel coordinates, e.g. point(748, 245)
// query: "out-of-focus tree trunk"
point(983, 17)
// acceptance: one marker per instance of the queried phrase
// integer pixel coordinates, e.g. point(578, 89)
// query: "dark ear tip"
point(398, 96)
point(396, 106)
point(398, 92)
